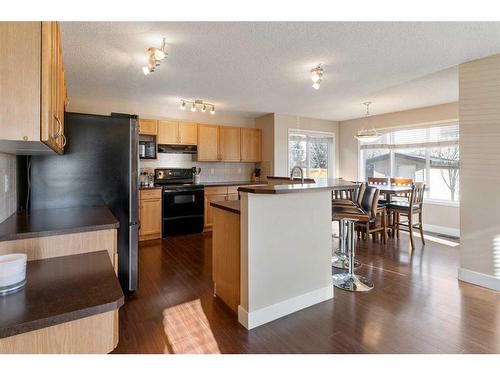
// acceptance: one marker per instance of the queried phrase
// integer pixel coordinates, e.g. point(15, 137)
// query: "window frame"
point(433, 201)
point(331, 170)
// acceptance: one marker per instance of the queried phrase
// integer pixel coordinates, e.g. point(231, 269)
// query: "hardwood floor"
point(417, 305)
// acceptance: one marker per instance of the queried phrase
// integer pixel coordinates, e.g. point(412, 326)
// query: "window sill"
point(438, 202)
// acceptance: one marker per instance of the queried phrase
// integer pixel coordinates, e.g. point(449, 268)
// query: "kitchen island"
point(284, 249)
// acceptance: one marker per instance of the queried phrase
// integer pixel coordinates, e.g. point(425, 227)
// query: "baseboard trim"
point(478, 278)
point(267, 314)
point(447, 231)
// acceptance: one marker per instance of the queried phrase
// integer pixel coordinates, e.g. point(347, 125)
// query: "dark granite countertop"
point(330, 184)
point(231, 206)
point(232, 183)
point(60, 290)
point(308, 180)
point(51, 222)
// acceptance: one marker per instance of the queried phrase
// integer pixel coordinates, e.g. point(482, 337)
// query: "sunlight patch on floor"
point(188, 330)
point(443, 241)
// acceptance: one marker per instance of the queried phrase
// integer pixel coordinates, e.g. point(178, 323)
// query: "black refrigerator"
point(99, 167)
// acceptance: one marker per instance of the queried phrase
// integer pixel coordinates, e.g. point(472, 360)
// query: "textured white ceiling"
point(259, 67)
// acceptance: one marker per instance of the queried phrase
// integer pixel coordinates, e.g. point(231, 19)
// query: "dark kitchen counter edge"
point(231, 206)
point(53, 222)
point(334, 184)
point(232, 183)
point(60, 319)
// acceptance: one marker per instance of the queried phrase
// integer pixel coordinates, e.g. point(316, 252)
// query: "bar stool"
point(340, 257)
point(350, 281)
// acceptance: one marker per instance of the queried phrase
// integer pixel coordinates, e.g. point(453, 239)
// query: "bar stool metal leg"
point(340, 258)
point(350, 281)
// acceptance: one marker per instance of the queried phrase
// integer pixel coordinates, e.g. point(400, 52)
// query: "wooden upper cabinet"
point(251, 144)
point(53, 94)
point(168, 132)
point(33, 93)
point(208, 143)
point(148, 127)
point(229, 143)
point(175, 133)
point(188, 133)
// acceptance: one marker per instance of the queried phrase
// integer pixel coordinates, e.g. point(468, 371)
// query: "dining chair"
point(400, 181)
point(352, 198)
point(408, 209)
point(371, 218)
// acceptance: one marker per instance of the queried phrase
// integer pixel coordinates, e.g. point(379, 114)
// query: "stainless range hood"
point(177, 149)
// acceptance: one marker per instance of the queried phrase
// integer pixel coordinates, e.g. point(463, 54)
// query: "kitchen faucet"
point(301, 173)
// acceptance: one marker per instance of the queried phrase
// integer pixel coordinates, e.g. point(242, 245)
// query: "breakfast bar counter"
point(272, 249)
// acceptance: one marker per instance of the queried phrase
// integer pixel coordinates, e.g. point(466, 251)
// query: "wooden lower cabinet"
point(96, 334)
point(209, 209)
point(150, 214)
point(226, 256)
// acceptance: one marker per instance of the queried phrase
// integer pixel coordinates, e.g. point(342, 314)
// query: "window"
point(312, 151)
point(429, 155)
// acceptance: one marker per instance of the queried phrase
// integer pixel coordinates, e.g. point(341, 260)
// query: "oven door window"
point(185, 203)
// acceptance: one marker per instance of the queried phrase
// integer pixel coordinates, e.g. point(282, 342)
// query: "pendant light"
point(367, 134)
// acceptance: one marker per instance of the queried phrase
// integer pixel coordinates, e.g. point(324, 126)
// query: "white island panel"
point(285, 254)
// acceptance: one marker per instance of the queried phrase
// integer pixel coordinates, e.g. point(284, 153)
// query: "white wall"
point(8, 191)
point(437, 218)
point(284, 269)
point(479, 100)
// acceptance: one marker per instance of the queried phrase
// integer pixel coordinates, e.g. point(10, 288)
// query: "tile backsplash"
point(8, 191)
point(210, 172)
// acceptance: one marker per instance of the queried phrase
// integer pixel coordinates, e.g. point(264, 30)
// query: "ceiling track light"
point(317, 76)
point(156, 55)
point(198, 103)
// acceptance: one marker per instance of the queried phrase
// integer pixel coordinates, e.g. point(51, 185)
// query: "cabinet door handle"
point(59, 132)
point(64, 140)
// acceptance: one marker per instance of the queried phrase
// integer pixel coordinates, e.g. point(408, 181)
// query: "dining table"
point(390, 190)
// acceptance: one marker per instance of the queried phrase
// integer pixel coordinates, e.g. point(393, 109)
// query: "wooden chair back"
point(417, 194)
point(378, 180)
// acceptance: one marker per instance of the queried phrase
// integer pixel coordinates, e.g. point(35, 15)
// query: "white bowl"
point(12, 270)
